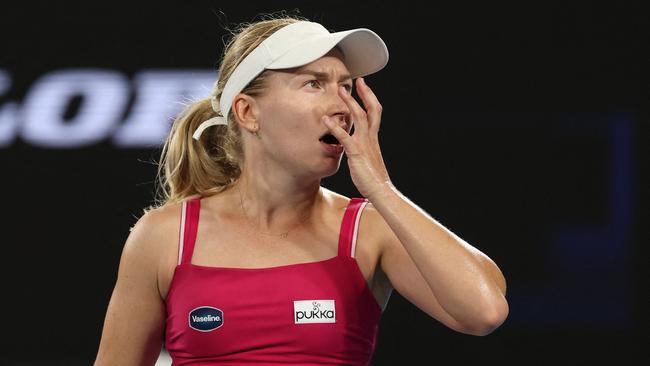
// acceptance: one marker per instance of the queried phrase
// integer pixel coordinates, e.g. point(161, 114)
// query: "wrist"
point(382, 191)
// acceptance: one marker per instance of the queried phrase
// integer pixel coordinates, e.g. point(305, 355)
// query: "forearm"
point(468, 285)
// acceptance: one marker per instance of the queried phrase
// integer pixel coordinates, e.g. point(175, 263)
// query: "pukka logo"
point(314, 311)
point(205, 318)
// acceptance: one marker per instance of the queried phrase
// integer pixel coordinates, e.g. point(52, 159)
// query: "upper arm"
point(403, 275)
point(134, 323)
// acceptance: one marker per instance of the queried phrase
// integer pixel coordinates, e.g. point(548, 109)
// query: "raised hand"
point(366, 164)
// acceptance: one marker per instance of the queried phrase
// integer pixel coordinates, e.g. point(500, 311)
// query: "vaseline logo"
point(314, 311)
point(206, 318)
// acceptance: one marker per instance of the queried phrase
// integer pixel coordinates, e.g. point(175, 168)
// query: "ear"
point(246, 111)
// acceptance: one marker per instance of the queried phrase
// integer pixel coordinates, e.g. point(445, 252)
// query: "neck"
point(277, 204)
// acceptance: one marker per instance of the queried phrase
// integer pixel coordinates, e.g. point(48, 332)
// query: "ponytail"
point(213, 163)
point(205, 167)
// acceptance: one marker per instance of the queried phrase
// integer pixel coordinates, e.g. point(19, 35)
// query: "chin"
point(331, 170)
point(324, 169)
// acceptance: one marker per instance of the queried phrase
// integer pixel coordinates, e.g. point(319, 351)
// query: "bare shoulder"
point(152, 242)
point(154, 228)
point(371, 225)
point(378, 231)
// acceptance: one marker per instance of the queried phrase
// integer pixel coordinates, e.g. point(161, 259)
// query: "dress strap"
point(350, 226)
point(190, 210)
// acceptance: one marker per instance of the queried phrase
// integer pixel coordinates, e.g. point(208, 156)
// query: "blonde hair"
point(206, 167)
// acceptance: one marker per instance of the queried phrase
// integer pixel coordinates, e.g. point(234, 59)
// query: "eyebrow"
point(323, 75)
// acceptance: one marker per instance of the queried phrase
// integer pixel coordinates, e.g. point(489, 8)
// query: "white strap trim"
point(205, 124)
point(181, 242)
point(356, 228)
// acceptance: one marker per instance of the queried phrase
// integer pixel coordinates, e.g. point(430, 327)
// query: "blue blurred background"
point(521, 127)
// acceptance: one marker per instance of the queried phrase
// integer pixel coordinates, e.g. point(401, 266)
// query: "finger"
point(371, 103)
point(357, 114)
point(344, 138)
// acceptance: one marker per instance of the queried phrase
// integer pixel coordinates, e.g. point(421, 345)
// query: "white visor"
point(298, 44)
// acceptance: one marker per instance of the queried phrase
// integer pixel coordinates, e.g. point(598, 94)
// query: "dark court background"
point(522, 127)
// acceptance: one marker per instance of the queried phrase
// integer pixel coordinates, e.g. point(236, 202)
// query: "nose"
point(336, 107)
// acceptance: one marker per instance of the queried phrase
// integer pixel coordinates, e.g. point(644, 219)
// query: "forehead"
point(332, 64)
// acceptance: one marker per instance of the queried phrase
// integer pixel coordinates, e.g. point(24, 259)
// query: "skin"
point(399, 247)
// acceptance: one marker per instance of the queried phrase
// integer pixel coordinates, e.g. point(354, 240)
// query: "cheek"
point(291, 112)
point(273, 109)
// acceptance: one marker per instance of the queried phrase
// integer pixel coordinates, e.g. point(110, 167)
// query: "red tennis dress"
point(315, 313)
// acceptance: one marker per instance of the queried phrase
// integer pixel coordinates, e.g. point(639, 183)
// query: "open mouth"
point(329, 139)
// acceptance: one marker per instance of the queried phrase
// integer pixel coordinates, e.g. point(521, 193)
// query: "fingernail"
point(327, 121)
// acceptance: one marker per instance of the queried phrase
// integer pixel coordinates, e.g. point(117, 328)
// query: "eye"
point(313, 83)
point(348, 87)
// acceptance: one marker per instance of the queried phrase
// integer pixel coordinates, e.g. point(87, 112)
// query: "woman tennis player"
point(249, 260)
